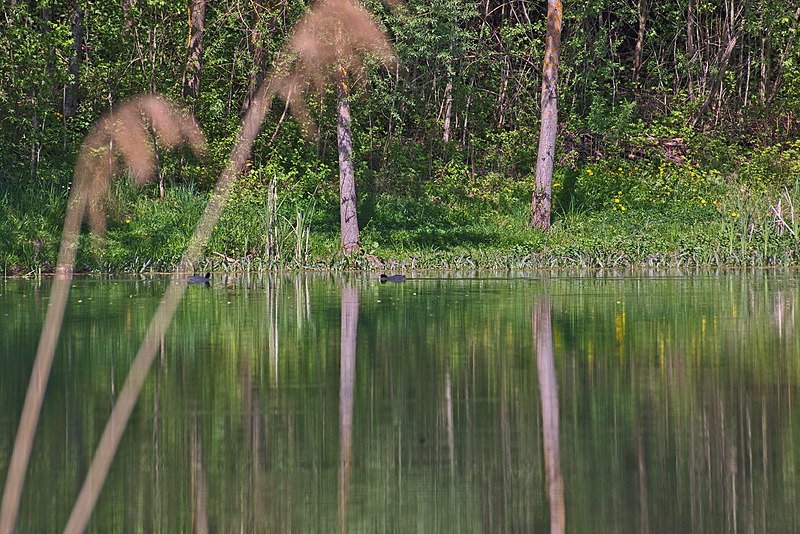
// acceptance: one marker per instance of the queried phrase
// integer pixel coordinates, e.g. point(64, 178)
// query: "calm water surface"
point(319, 403)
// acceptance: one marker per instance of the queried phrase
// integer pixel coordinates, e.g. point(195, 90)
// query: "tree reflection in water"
point(347, 378)
point(548, 389)
point(675, 405)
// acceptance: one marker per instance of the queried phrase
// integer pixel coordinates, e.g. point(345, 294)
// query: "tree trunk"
point(259, 68)
point(690, 48)
point(541, 201)
point(448, 108)
point(74, 65)
point(776, 84)
point(502, 94)
point(347, 182)
point(641, 14)
point(190, 87)
point(763, 63)
point(722, 65)
point(191, 73)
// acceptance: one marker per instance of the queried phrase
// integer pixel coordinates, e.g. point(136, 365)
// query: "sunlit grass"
point(673, 216)
point(30, 217)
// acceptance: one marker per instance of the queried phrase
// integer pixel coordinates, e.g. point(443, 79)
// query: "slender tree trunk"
point(541, 201)
point(723, 59)
point(502, 94)
point(191, 73)
point(190, 88)
point(746, 83)
point(448, 108)
point(259, 57)
point(36, 146)
point(763, 61)
point(465, 128)
point(347, 181)
point(72, 88)
point(776, 84)
point(690, 47)
point(641, 13)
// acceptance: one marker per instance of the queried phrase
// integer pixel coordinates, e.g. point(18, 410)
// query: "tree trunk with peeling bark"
point(347, 181)
point(542, 193)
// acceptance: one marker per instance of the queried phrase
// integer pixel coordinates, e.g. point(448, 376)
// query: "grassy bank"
point(610, 214)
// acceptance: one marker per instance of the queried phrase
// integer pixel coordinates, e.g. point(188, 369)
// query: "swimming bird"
point(200, 279)
point(393, 278)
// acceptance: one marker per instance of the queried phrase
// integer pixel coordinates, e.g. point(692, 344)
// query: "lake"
point(616, 402)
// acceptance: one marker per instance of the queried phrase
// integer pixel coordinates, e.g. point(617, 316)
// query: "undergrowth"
point(620, 213)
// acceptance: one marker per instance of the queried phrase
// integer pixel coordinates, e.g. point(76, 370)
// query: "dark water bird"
point(200, 279)
point(393, 278)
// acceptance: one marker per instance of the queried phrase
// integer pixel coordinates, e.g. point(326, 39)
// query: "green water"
point(318, 403)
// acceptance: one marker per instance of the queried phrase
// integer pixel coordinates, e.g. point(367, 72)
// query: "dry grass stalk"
point(123, 134)
point(330, 40)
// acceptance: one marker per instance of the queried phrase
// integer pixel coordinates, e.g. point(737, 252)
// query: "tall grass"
point(650, 216)
point(30, 216)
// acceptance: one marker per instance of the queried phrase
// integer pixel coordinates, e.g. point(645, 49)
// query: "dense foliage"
point(645, 84)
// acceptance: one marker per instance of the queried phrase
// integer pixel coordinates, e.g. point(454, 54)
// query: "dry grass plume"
point(330, 41)
point(123, 134)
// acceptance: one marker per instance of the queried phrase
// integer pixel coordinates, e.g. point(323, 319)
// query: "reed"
point(332, 36)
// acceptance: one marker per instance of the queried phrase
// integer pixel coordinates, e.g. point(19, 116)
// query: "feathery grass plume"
point(331, 39)
point(123, 133)
point(339, 26)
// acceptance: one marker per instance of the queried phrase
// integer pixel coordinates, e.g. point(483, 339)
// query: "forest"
point(677, 140)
